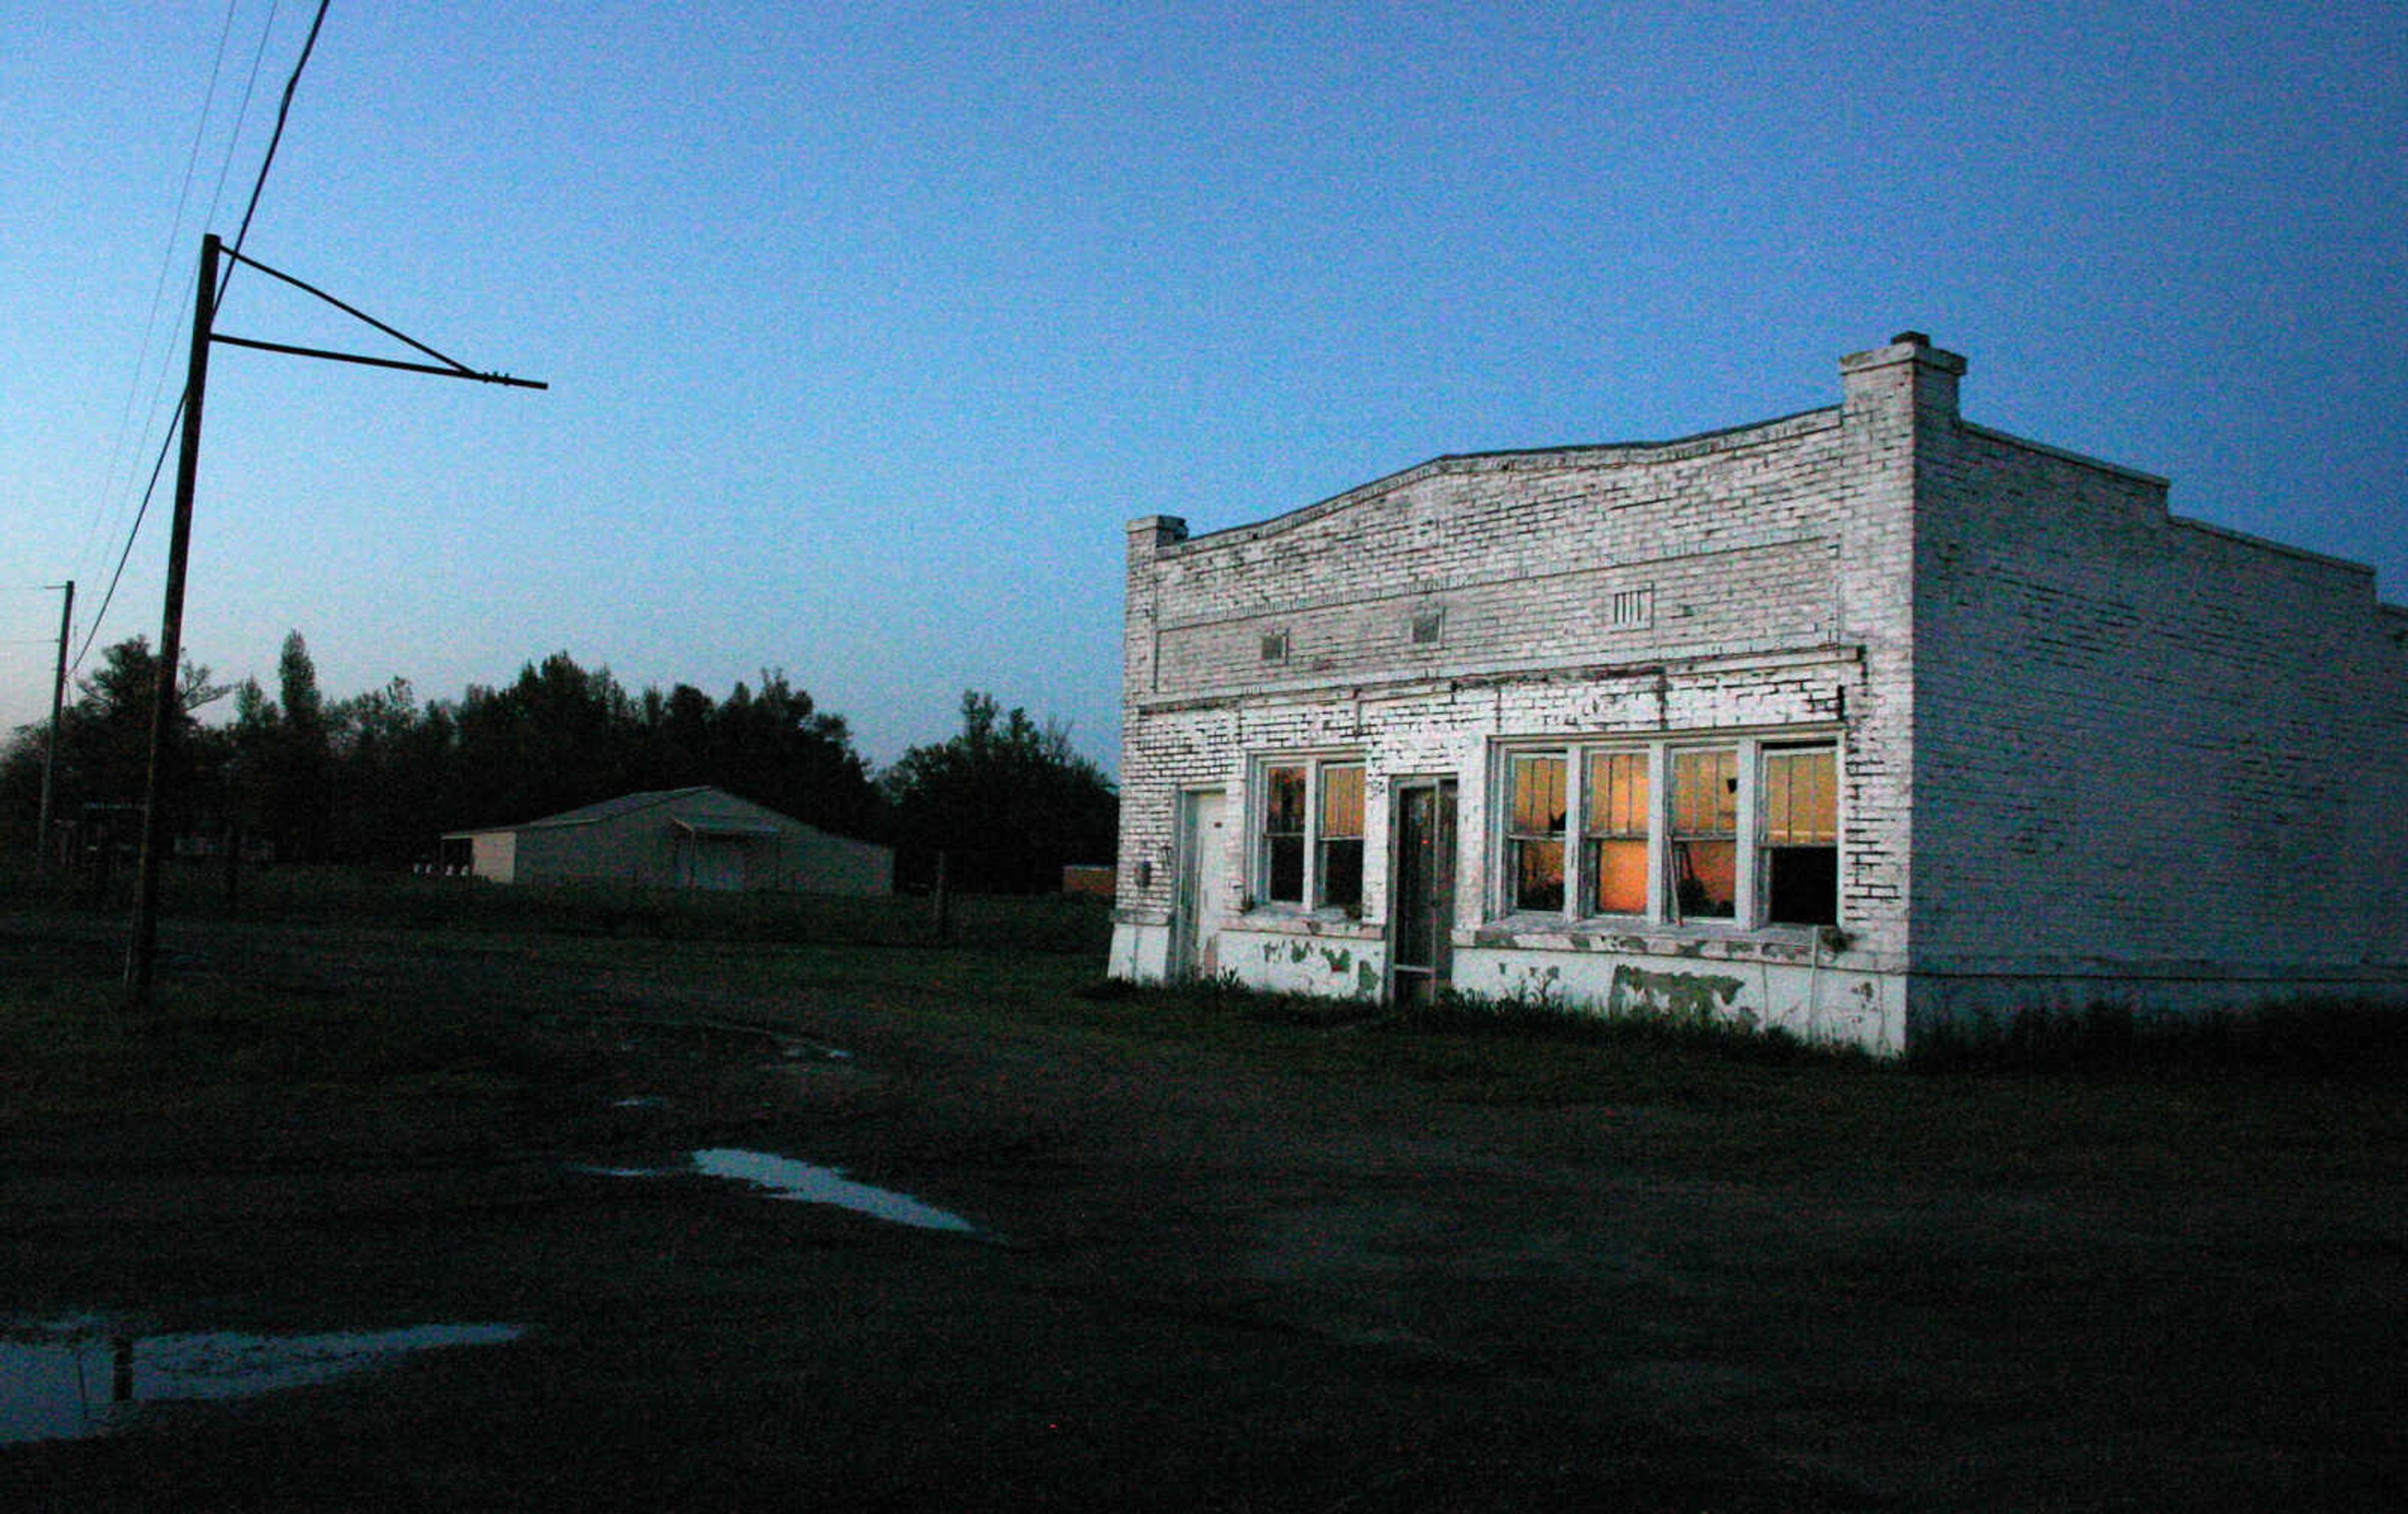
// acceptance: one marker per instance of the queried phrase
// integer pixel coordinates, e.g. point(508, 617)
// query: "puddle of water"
point(783, 1178)
point(83, 1377)
point(786, 1178)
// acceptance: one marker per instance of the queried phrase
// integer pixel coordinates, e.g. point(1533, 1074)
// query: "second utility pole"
point(58, 713)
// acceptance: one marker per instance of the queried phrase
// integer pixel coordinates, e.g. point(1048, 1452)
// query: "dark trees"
point(391, 775)
point(379, 777)
point(561, 737)
point(105, 752)
point(282, 780)
point(558, 738)
point(776, 748)
point(1007, 801)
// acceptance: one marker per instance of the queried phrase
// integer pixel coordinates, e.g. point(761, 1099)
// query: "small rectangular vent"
point(1634, 607)
point(1275, 647)
point(1430, 627)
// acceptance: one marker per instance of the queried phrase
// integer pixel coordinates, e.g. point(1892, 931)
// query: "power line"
point(282, 110)
point(116, 446)
point(127, 550)
point(258, 185)
point(242, 112)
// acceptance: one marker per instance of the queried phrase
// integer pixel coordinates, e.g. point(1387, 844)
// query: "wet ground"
point(841, 1250)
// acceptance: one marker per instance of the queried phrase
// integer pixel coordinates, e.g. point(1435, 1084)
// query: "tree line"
point(376, 778)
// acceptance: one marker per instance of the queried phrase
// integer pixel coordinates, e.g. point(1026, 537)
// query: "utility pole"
point(166, 709)
point(58, 713)
point(167, 704)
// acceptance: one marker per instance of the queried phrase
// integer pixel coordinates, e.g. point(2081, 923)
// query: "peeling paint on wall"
point(1679, 995)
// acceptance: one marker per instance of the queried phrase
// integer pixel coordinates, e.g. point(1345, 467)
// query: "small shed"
point(676, 838)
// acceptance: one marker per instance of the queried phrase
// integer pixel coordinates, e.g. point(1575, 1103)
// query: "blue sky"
point(870, 326)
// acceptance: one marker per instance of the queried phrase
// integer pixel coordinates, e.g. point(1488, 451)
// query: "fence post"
point(944, 900)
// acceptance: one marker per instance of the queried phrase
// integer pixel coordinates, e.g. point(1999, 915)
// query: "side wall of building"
point(2155, 762)
point(494, 854)
point(812, 861)
point(602, 851)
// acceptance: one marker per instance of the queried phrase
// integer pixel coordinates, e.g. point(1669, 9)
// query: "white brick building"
point(1850, 722)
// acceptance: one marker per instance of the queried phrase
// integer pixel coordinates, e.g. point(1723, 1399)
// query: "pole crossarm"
point(378, 362)
point(451, 368)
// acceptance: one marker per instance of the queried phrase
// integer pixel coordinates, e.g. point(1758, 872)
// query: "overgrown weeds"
point(1534, 1017)
point(2356, 1038)
point(1549, 1018)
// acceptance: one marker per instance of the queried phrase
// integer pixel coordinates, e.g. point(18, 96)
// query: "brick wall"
point(2147, 748)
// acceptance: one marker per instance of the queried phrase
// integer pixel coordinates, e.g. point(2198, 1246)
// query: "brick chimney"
point(1909, 371)
point(1150, 533)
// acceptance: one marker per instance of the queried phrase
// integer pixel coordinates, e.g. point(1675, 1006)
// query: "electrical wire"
point(93, 633)
point(234, 140)
point(175, 233)
point(243, 112)
point(117, 447)
point(283, 111)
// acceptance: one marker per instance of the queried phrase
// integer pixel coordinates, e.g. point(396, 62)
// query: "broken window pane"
point(1538, 796)
point(1705, 879)
point(1802, 884)
point(1705, 793)
point(1538, 879)
point(1534, 863)
point(1801, 834)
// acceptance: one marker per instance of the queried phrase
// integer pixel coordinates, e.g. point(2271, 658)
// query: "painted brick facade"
point(2079, 749)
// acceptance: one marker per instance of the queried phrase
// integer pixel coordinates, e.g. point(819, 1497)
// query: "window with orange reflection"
point(1614, 850)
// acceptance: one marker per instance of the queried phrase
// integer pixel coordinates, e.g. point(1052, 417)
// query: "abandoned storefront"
point(1851, 722)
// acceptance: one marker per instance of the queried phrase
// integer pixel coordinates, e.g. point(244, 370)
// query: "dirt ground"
point(1193, 1283)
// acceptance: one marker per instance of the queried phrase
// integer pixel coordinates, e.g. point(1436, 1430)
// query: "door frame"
point(1445, 888)
point(1189, 908)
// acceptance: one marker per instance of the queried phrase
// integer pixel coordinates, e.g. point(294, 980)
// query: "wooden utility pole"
point(167, 710)
point(58, 712)
point(167, 704)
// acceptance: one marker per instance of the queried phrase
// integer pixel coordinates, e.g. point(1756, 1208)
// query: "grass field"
point(1265, 1253)
point(2320, 1083)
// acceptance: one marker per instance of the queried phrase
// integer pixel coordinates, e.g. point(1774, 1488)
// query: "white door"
point(1204, 863)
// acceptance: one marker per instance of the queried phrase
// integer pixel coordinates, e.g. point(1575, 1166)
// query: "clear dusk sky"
point(869, 325)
